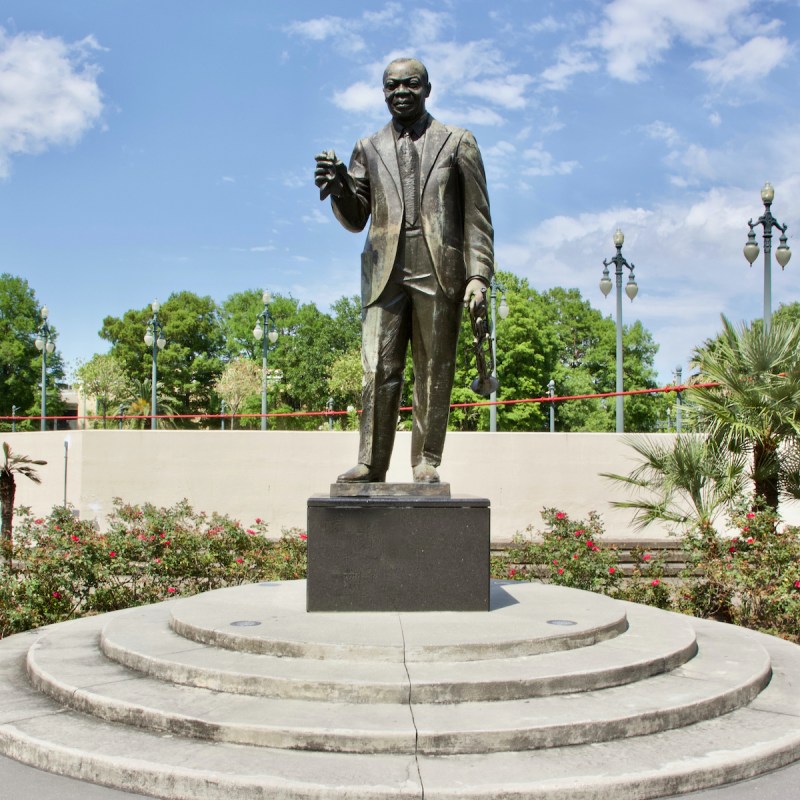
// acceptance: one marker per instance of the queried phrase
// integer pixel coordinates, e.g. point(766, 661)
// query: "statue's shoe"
point(362, 473)
point(425, 473)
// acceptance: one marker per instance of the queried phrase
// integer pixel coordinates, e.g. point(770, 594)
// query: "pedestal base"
point(389, 553)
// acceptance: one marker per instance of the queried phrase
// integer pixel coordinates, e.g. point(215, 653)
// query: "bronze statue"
point(429, 250)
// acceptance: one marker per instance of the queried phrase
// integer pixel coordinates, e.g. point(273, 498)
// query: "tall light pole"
point(494, 287)
point(154, 338)
point(551, 390)
point(782, 254)
point(264, 321)
point(45, 344)
point(678, 399)
point(631, 289)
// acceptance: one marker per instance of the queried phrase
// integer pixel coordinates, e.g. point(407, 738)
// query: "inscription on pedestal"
point(422, 553)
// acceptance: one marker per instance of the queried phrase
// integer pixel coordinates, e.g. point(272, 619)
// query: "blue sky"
point(150, 147)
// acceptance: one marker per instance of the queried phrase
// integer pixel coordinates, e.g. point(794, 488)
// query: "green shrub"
point(65, 568)
point(568, 554)
point(752, 579)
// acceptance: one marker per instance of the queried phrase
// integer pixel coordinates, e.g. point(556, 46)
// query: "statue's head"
point(405, 88)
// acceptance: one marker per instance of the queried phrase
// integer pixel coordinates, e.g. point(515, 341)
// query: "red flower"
point(589, 543)
point(240, 561)
point(750, 515)
point(157, 560)
point(251, 531)
point(112, 554)
point(611, 570)
point(575, 555)
point(750, 540)
point(304, 536)
point(560, 571)
point(561, 515)
point(57, 595)
point(655, 582)
point(511, 573)
point(646, 557)
point(731, 549)
point(171, 589)
point(38, 521)
point(75, 538)
point(258, 520)
point(57, 527)
point(555, 561)
point(797, 584)
point(580, 532)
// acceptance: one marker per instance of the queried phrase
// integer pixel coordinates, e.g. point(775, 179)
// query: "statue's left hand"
point(475, 294)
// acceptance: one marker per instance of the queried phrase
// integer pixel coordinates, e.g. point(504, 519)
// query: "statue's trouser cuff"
point(412, 308)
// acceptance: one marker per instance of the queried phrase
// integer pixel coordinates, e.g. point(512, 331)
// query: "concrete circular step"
point(71, 669)
point(653, 643)
point(726, 713)
point(525, 619)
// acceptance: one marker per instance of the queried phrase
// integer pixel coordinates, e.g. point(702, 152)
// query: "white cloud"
point(750, 63)
point(571, 62)
point(663, 132)
point(508, 91)
point(316, 217)
point(636, 33)
point(49, 95)
point(347, 35)
point(543, 164)
point(688, 257)
point(465, 117)
point(547, 24)
point(360, 97)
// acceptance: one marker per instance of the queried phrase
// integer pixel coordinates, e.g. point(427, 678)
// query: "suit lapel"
point(383, 141)
point(435, 138)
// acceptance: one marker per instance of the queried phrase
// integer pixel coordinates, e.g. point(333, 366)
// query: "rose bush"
point(66, 568)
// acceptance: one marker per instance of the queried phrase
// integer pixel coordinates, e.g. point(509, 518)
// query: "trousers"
point(412, 309)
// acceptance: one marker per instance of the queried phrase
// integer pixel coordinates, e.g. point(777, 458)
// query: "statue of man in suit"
point(429, 251)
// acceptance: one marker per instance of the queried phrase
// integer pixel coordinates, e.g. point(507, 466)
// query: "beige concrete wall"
point(270, 474)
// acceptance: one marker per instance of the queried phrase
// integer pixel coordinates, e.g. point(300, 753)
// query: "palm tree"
point(754, 408)
point(137, 403)
point(13, 465)
point(685, 481)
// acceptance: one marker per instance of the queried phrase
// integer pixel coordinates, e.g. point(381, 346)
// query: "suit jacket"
point(453, 210)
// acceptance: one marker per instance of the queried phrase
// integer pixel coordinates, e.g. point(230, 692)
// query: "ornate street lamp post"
point(551, 390)
point(678, 399)
point(782, 254)
point(263, 321)
point(154, 338)
point(631, 289)
point(494, 288)
point(45, 344)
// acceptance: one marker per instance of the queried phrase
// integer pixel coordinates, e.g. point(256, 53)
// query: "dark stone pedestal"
point(390, 553)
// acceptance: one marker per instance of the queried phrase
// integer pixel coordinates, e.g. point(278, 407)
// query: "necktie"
point(408, 159)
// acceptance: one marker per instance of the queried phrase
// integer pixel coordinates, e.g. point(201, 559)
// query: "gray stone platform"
point(554, 693)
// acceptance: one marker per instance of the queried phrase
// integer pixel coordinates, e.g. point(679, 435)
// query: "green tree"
point(103, 378)
point(192, 359)
point(557, 335)
point(344, 383)
point(240, 379)
point(238, 314)
point(20, 361)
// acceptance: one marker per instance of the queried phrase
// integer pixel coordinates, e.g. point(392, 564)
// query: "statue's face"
point(405, 87)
